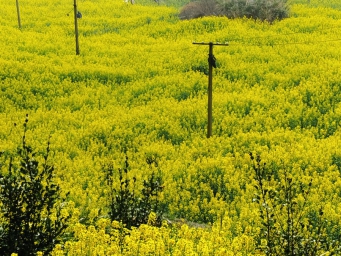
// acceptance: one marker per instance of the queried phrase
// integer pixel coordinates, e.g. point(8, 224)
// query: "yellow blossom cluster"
point(170, 239)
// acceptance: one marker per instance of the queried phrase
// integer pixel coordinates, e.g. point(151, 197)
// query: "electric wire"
point(286, 34)
point(288, 43)
point(244, 41)
point(255, 44)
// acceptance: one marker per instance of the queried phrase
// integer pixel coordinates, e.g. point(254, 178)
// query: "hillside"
point(139, 88)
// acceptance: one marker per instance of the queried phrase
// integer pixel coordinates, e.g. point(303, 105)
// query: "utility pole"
point(76, 26)
point(18, 13)
point(211, 65)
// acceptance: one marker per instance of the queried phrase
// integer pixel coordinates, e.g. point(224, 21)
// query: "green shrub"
point(265, 10)
point(128, 205)
point(30, 203)
point(268, 10)
point(288, 225)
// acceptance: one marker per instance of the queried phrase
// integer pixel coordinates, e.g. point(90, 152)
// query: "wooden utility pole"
point(211, 64)
point(18, 13)
point(76, 26)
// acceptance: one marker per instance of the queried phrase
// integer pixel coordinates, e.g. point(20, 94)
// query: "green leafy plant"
point(30, 203)
point(126, 204)
point(289, 225)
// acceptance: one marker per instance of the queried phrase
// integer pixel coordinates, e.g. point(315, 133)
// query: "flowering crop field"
point(139, 88)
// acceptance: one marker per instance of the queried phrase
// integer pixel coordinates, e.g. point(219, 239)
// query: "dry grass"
point(199, 9)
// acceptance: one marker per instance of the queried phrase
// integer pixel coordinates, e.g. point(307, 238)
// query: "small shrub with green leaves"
point(126, 204)
point(31, 218)
point(289, 226)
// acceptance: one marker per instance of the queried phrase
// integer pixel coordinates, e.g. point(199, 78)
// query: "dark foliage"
point(29, 199)
point(289, 226)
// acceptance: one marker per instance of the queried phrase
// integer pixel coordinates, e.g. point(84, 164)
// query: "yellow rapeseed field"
point(139, 88)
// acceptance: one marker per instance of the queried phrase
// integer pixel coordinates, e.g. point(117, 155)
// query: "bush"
point(199, 9)
point(31, 217)
point(268, 10)
point(127, 205)
point(289, 225)
point(265, 10)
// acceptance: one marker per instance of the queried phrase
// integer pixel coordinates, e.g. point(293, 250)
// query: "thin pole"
point(209, 92)
point(76, 27)
point(211, 64)
point(18, 13)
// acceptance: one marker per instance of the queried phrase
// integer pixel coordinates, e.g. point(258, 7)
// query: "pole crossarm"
point(211, 65)
point(211, 43)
